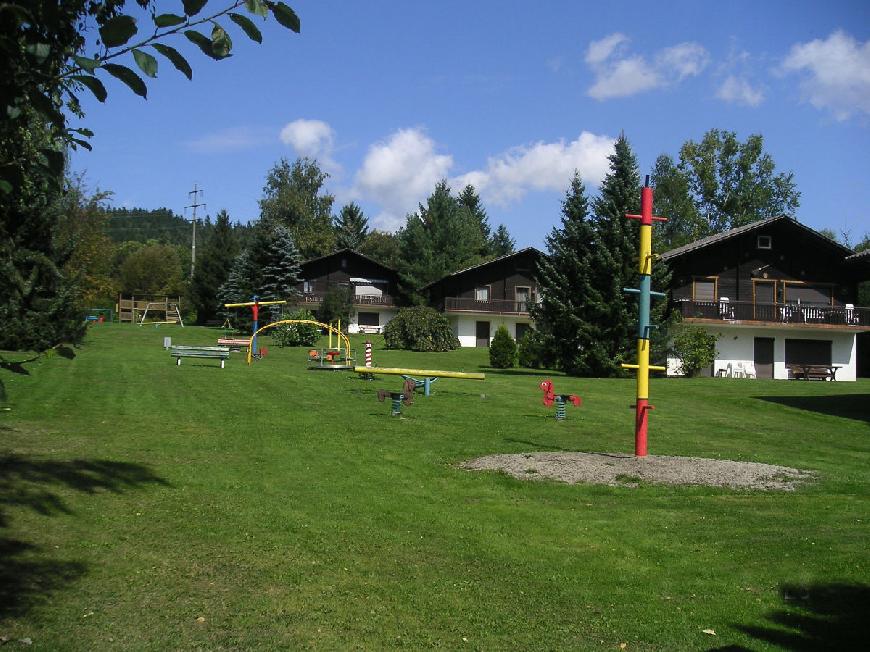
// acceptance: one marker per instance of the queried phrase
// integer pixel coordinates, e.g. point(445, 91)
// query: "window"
point(481, 294)
point(368, 319)
point(704, 289)
point(307, 287)
point(524, 296)
point(764, 242)
point(522, 329)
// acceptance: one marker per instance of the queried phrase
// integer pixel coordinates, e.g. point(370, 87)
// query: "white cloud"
point(399, 173)
point(228, 140)
point(620, 75)
point(739, 91)
point(836, 73)
point(541, 166)
point(311, 138)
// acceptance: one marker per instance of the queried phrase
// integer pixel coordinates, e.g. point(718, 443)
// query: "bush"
point(420, 329)
point(532, 350)
point(337, 304)
point(695, 348)
point(296, 334)
point(502, 350)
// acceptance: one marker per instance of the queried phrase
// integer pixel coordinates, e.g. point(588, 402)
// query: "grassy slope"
point(288, 509)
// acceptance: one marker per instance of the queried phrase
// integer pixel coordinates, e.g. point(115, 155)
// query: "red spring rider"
point(559, 399)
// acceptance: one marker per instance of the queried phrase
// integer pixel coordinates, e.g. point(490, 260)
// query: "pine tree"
point(440, 238)
point(619, 241)
point(351, 227)
point(501, 243)
point(213, 268)
point(569, 318)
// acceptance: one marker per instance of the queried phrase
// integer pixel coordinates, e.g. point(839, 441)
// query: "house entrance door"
point(763, 357)
point(482, 331)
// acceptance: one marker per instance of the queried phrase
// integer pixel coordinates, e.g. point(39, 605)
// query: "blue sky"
point(513, 96)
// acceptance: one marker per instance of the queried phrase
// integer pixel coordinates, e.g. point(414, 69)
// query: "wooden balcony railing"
point(790, 313)
point(500, 306)
point(358, 299)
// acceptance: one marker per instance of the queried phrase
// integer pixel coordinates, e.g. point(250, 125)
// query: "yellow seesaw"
point(428, 375)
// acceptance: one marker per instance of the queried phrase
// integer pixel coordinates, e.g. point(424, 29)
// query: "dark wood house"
point(777, 293)
point(479, 299)
point(371, 284)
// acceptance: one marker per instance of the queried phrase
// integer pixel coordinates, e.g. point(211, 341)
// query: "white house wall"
point(465, 326)
point(736, 346)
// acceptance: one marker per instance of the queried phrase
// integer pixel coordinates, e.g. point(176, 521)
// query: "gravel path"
point(618, 469)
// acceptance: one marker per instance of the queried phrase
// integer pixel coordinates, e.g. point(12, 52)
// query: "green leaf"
point(54, 160)
point(12, 112)
point(146, 62)
point(47, 107)
point(127, 76)
point(93, 84)
point(118, 30)
point(220, 42)
point(168, 20)
point(38, 51)
point(86, 63)
point(84, 132)
point(285, 15)
point(248, 27)
point(5, 187)
point(175, 58)
point(202, 41)
point(257, 7)
point(193, 7)
point(83, 143)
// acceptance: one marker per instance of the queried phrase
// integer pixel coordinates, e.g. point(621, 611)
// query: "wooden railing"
point(790, 313)
point(501, 306)
point(358, 299)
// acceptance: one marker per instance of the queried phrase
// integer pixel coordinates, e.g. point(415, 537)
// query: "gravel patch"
point(617, 469)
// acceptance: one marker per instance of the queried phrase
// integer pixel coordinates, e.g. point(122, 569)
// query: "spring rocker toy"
point(559, 399)
point(406, 396)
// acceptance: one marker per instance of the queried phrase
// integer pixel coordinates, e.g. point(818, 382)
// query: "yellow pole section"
point(432, 373)
point(342, 336)
point(251, 303)
point(643, 368)
point(645, 262)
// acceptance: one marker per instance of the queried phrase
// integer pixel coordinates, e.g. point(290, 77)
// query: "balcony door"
point(764, 297)
point(523, 298)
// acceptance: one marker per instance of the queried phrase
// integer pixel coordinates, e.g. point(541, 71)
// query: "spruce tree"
point(569, 318)
point(351, 227)
point(501, 243)
point(280, 266)
point(619, 241)
point(213, 268)
point(470, 201)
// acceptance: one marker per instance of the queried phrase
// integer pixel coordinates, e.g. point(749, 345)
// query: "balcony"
point(800, 315)
point(498, 306)
point(358, 299)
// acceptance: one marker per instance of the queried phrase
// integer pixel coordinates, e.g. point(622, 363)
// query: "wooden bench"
point(812, 372)
point(221, 353)
point(234, 343)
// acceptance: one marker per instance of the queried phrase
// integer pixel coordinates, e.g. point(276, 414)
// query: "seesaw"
point(428, 375)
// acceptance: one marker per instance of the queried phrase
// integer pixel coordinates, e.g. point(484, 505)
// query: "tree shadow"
point(538, 446)
point(28, 573)
point(817, 617)
point(849, 406)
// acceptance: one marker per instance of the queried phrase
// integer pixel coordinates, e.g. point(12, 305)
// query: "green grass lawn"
point(288, 510)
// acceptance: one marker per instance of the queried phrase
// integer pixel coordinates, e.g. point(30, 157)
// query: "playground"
point(271, 506)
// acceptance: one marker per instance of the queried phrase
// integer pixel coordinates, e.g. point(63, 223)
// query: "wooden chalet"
point(372, 285)
point(780, 296)
point(479, 299)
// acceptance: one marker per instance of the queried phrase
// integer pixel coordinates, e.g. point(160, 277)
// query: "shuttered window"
point(705, 290)
point(808, 294)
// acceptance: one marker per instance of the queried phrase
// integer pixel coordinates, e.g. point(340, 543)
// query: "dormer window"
point(764, 242)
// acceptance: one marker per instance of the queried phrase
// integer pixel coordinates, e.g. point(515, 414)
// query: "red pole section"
point(640, 427)
point(646, 204)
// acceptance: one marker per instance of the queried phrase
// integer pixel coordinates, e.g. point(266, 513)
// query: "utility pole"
point(195, 195)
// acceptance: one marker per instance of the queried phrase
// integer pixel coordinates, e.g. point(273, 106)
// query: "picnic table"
point(813, 371)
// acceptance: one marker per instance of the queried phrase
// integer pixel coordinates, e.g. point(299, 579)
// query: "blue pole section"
point(256, 309)
point(643, 307)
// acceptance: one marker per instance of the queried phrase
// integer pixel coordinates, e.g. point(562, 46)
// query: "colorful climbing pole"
point(644, 294)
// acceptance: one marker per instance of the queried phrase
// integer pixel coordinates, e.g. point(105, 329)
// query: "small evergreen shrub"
point(502, 350)
point(296, 334)
point(531, 350)
point(337, 304)
point(420, 329)
point(695, 348)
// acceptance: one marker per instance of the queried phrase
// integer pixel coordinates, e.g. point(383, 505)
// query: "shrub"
point(337, 304)
point(296, 334)
point(532, 351)
point(695, 348)
point(420, 329)
point(502, 350)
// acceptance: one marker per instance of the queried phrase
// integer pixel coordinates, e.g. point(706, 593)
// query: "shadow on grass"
point(538, 445)
point(816, 617)
point(27, 572)
point(849, 406)
point(541, 373)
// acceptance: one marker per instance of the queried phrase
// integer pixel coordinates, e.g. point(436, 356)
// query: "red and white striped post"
point(368, 354)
